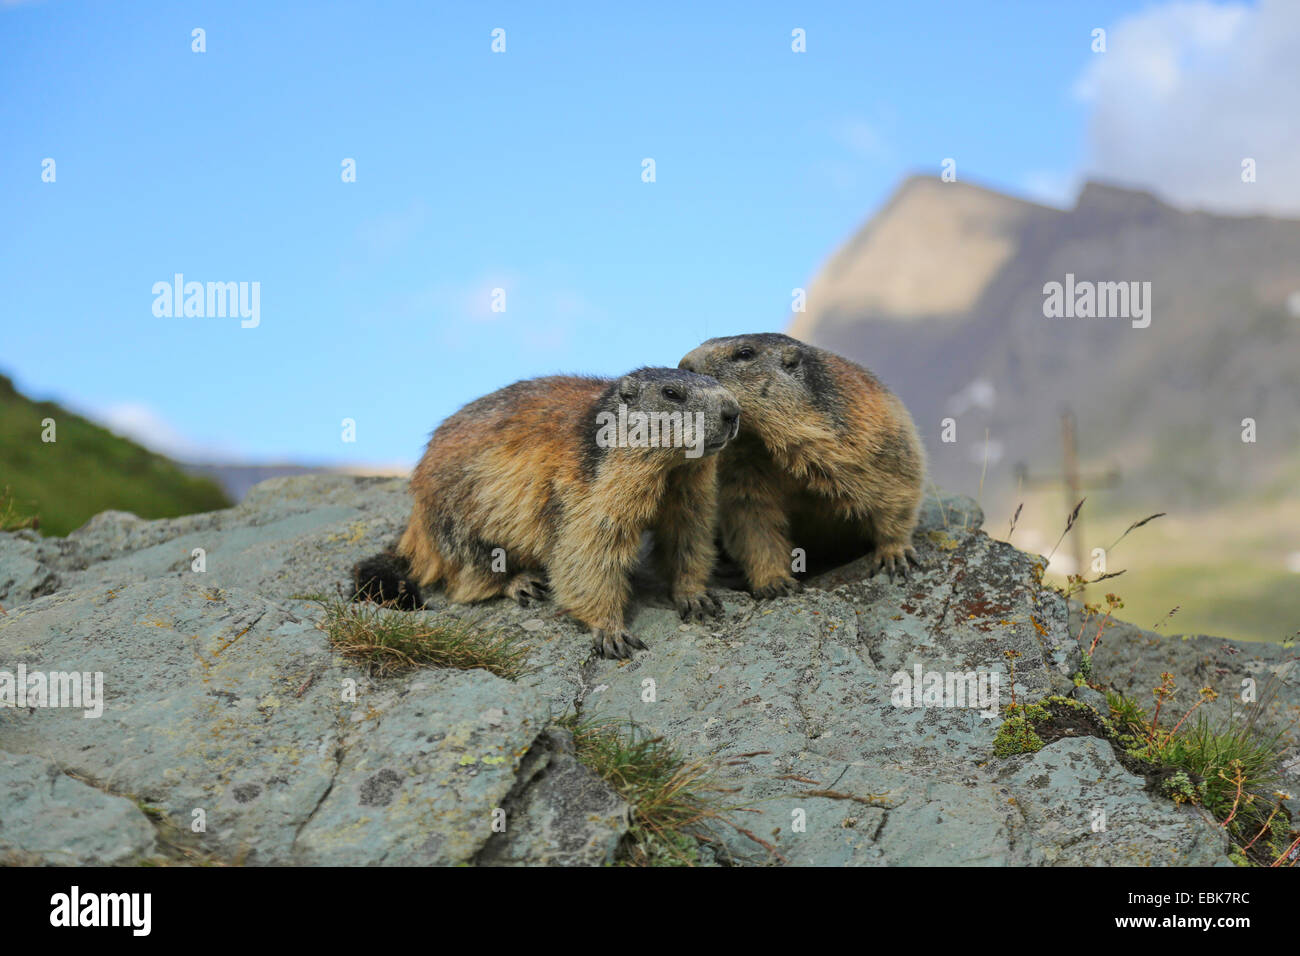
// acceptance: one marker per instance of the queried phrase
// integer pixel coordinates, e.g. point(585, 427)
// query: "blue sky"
point(475, 171)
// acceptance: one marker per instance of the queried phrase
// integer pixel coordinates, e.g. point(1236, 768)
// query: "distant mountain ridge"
point(941, 294)
point(237, 479)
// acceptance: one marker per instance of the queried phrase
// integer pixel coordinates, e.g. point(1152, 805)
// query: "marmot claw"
point(615, 644)
point(894, 558)
point(697, 607)
point(778, 589)
point(528, 587)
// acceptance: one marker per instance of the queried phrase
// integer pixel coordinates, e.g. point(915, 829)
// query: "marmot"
point(827, 460)
point(555, 479)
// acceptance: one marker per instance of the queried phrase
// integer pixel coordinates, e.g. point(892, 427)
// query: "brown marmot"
point(827, 460)
point(550, 482)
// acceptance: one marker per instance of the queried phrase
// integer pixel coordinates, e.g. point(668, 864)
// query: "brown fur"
point(519, 470)
point(827, 460)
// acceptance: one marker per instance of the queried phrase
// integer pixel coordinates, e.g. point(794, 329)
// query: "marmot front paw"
point(782, 587)
point(697, 607)
point(613, 644)
point(892, 558)
point(527, 587)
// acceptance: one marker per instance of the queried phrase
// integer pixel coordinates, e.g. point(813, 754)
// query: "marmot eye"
point(743, 354)
point(672, 394)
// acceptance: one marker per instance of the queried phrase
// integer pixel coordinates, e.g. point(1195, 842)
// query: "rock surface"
point(1111, 819)
point(227, 711)
point(47, 816)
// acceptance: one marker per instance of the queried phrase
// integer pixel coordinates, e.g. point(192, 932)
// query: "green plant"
point(1016, 736)
point(1227, 765)
point(11, 518)
point(673, 799)
point(1180, 788)
point(1126, 713)
point(392, 641)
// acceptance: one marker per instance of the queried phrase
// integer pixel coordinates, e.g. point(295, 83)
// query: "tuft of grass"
point(1228, 766)
point(11, 518)
point(392, 642)
point(1127, 714)
point(673, 799)
point(1225, 753)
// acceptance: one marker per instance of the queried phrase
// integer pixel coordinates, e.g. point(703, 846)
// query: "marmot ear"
point(791, 356)
point(629, 388)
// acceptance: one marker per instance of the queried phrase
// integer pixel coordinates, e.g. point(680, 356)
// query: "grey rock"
point(419, 780)
point(559, 814)
point(23, 576)
point(1093, 698)
point(1081, 808)
point(224, 696)
point(202, 708)
point(221, 702)
point(289, 536)
point(951, 511)
point(50, 818)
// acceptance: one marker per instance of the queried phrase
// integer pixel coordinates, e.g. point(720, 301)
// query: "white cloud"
point(1186, 91)
point(144, 425)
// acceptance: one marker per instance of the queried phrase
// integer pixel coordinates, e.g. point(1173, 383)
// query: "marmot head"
point(667, 408)
point(776, 378)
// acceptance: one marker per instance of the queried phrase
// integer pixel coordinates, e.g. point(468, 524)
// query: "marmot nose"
point(686, 365)
point(730, 412)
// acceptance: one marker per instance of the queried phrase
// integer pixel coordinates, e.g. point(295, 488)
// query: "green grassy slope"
point(87, 470)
